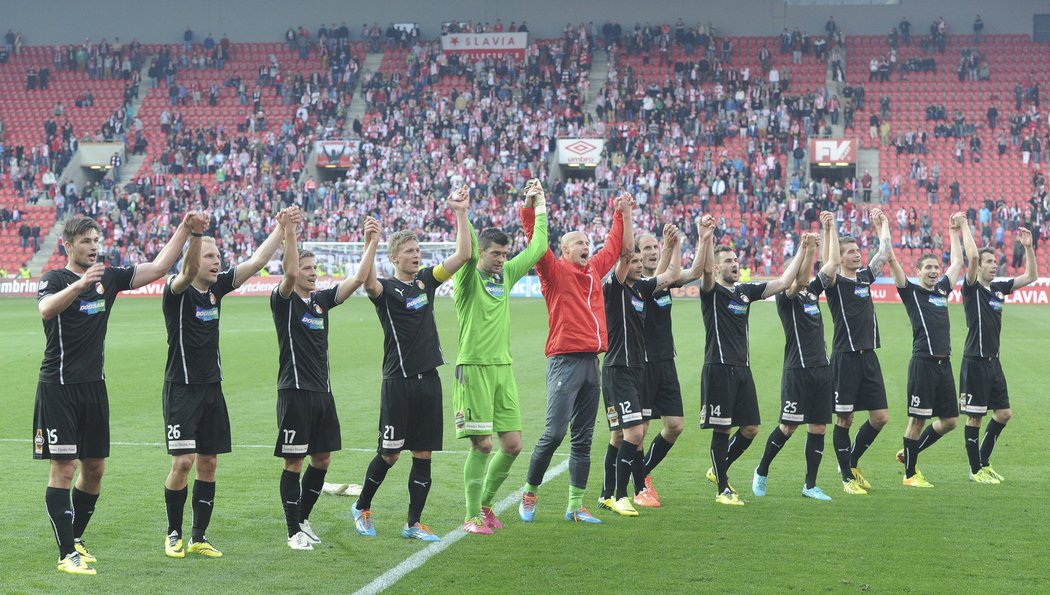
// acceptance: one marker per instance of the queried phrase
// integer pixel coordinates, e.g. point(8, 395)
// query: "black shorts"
point(858, 382)
point(807, 396)
point(622, 390)
point(307, 424)
point(196, 419)
point(982, 386)
point(71, 421)
point(410, 413)
point(727, 397)
point(931, 388)
point(662, 393)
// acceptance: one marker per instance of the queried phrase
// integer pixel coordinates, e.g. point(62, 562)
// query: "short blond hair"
point(398, 239)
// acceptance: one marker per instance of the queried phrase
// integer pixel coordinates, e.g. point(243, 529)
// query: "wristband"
point(196, 235)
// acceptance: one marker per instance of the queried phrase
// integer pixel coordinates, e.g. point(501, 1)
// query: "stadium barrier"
point(883, 291)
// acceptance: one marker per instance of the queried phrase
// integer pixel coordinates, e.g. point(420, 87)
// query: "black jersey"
point(659, 338)
point(804, 345)
point(928, 312)
point(302, 338)
point(192, 321)
point(625, 321)
point(726, 314)
point(410, 337)
point(984, 316)
point(76, 337)
point(853, 312)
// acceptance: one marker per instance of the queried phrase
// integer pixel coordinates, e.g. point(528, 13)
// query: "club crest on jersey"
point(420, 284)
point(99, 288)
point(862, 291)
point(314, 324)
point(417, 302)
point(92, 307)
point(638, 304)
point(207, 314)
point(38, 441)
point(941, 291)
point(461, 420)
point(494, 289)
point(745, 299)
point(614, 418)
point(663, 301)
point(939, 301)
point(211, 298)
point(1000, 295)
point(737, 308)
point(318, 309)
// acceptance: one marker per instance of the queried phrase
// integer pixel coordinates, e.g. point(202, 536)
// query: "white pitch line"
point(161, 444)
point(388, 578)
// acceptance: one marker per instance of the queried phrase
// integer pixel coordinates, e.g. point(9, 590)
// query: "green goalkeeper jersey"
point(483, 301)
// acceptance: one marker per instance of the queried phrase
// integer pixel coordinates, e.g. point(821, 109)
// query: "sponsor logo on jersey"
point(314, 324)
point(38, 441)
point(494, 289)
point(92, 307)
point(614, 418)
point(638, 304)
point(461, 420)
point(862, 291)
point(996, 305)
point(939, 301)
point(663, 301)
point(737, 308)
point(99, 288)
point(207, 314)
point(811, 309)
point(417, 302)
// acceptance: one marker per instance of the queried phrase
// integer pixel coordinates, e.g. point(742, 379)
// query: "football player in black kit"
point(855, 366)
point(662, 391)
point(410, 403)
point(623, 370)
point(71, 414)
point(307, 422)
point(982, 385)
point(727, 390)
point(931, 382)
point(197, 424)
point(806, 394)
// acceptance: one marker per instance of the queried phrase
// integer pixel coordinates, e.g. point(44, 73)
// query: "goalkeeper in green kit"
point(485, 395)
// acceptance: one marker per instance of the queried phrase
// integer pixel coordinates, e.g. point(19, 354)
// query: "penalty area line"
point(390, 577)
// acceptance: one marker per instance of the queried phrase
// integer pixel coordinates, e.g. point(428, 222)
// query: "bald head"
point(574, 247)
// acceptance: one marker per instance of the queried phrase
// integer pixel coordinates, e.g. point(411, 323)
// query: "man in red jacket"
point(572, 287)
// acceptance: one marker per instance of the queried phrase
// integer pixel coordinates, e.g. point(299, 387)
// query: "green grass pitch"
point(957, 537)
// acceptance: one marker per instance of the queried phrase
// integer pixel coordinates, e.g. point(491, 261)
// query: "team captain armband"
point(440, 274)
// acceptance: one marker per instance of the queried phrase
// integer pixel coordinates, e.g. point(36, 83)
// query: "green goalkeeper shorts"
point(485, 400)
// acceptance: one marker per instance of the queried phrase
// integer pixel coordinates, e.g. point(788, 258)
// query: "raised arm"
point(604, 259)
point(1031, 267)
point(350, 285)
point(954, 231)
point(665, 254)
point(373, 288)
point(149, 272)
point(973, 255)
point(673, 269)
point(832, 257)
point(699, 259)
point(459, 202)
point(787, 277)
point(263, 253)
point(534, 220)
point(900, 279)
point(878, 218)
point(707, 238)
point(291, 258)
point(809, 248)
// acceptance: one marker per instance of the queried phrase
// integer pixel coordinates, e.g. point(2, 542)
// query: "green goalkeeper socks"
point(499, 469)
point(473, 481)
point(575, 497)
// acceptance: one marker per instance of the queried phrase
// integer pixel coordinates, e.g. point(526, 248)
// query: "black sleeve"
point(754, 291)
point(865, 275)
point(121, 278)
point(326, 297)
point(1007, 287)
point(946, 284)
point(816, 286)
point(50, 284)
point(430, 283)
point(906, 291)
point(224, 283)
point(646, 287)
point(276, 299)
